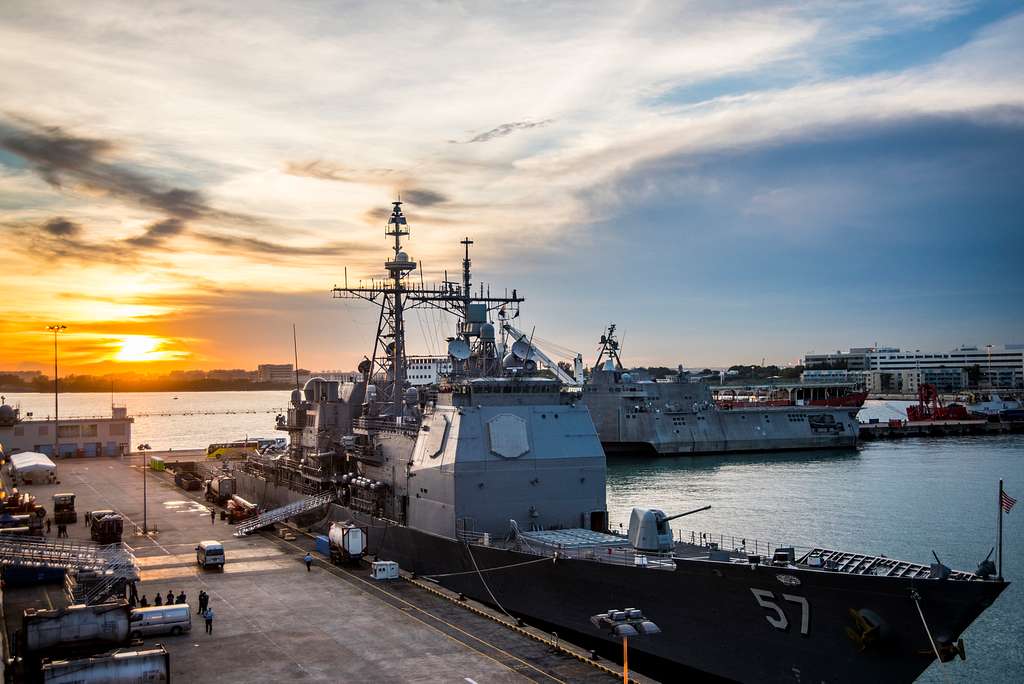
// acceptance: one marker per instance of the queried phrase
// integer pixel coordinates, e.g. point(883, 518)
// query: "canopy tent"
point(30, 466)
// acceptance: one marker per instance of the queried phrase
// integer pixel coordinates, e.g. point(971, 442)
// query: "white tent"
point(32, 467)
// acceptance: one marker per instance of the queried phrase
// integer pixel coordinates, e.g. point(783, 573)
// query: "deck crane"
point(553, 366)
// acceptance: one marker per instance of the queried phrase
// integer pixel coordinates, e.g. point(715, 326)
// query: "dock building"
point(77, 436)
point(893, 369)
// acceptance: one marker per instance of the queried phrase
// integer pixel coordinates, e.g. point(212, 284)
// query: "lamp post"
point(624, 624)
point(56, 328)
point(145, 522)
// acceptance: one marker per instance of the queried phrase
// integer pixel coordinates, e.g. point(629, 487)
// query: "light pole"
point(145, 501)
point(624, 624)
point(56, 328)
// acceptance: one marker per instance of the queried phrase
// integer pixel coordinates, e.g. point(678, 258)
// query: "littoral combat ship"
point(493, 485)
point(679, 416)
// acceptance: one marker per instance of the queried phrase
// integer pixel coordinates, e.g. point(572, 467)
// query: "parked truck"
point(188, 481)
point(140, 666)
point(220, 488)
point(347, 542)
point(106, 527)
point(64, 509)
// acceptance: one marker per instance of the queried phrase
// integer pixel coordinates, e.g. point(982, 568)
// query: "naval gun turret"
point(649, 529)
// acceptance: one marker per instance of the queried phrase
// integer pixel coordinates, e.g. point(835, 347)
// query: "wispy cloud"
point(505, 129)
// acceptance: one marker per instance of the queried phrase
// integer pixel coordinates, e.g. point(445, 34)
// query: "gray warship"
point(493, 485)
point(679, 416)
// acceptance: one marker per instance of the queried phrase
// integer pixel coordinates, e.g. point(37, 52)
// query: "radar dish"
point(521, 347)
point(458, 349)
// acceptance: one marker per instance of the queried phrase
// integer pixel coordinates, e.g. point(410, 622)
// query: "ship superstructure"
point(493, 485)
point(680, 416)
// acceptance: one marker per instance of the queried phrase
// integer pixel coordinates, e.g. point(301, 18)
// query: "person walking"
point(62, 531)
point(181, 598)
point(213, 515)
point(88, 517)
point(159, 600)
point(208, 616)
point(204, 602)
point(47, 526)
point(169, 601)
point(309, 560)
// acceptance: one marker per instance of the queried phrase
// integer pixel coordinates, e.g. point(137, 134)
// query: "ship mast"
point(609, 348)
point(396, 294)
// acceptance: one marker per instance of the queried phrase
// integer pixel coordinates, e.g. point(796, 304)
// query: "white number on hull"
point(766, 600)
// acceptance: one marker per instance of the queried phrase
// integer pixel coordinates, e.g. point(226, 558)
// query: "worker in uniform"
point(308, 558)
point(62, 531)
point(181, 598)
point(204, 601)
point(143, 602)
point(208, 616)
point(213, 515)
point(170, 598)
point(47, 526)
point(159, 600)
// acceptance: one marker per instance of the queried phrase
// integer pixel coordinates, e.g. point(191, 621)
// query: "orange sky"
point(180, 184)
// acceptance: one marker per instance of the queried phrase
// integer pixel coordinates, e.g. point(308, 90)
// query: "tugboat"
point(493, 485)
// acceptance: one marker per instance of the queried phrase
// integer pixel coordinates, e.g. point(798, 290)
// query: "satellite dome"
point(402, 256)
point(627, 377)
point(296, 396)
point(487, 332)
point(7, 415)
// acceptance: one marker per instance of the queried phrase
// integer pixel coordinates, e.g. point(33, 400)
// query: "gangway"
point(93, 571)
point(283, 513)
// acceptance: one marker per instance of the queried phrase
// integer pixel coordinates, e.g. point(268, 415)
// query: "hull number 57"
point(776, 617)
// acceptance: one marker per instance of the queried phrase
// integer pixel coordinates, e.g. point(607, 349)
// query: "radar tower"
point(397, 294)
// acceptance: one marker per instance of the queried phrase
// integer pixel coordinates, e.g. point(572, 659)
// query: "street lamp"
point(145, 523)
point(56, 328)
point(624, 624)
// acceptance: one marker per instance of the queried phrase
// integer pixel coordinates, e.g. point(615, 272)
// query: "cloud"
point(327, 170)
point(264, 248)
point(423, 198)
point(61, 227)
point(505, 129)
point(157, 233)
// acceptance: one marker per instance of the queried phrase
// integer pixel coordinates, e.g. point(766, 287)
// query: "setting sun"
point(143, 348)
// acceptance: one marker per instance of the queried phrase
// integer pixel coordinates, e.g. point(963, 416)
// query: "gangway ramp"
point(93, 571)
point(283, 513)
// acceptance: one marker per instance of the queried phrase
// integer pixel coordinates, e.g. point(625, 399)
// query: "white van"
point(173, 620)
point(210, 553)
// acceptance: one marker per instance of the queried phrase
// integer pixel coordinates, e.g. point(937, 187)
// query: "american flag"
point(1006, 501)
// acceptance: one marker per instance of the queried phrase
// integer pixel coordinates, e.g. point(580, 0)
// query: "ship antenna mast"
point(609, 349)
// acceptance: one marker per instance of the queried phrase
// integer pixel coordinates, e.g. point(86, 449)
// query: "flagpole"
point(999, 571)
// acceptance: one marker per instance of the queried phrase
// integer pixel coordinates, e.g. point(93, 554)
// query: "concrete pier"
point(277, 622)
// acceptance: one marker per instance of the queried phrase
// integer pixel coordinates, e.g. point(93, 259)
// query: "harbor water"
point(904, 498)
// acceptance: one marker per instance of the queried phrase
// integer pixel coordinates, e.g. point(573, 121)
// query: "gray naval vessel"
point(493, 485)
point(679, 416)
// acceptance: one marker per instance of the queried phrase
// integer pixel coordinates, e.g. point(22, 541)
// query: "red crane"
point(930, 407)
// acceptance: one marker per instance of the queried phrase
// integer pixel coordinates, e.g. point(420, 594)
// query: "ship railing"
point(386, 425)
point(733, 543)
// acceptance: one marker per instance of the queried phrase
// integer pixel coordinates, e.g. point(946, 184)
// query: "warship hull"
point(711, 618)
point(667, 425)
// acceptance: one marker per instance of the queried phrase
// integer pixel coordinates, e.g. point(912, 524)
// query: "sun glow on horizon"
point(141, 348)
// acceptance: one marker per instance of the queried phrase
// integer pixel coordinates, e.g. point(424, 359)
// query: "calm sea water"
point(902, 498)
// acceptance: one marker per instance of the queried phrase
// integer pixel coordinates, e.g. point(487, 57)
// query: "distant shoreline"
point(264, 387)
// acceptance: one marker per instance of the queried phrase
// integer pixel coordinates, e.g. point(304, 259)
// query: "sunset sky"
point(179, 183)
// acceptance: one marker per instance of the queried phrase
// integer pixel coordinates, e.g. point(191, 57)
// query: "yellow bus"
point(242, 449)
